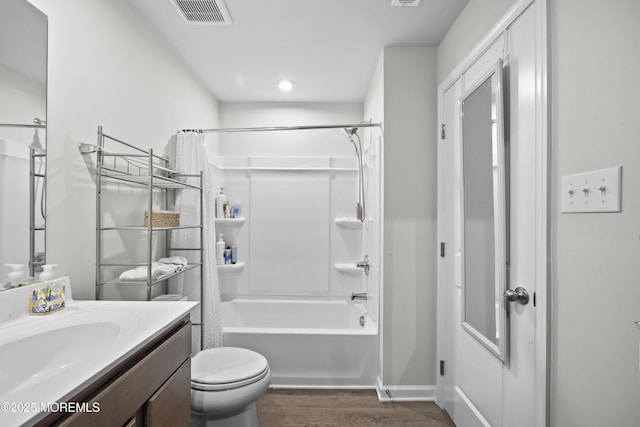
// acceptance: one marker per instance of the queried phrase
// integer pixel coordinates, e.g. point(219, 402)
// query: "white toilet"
point(225, 384)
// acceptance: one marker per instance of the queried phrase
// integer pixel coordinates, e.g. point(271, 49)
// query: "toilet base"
point(248, 417)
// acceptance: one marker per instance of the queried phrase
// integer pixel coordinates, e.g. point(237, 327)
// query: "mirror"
point(484, 213)
point(23, 94)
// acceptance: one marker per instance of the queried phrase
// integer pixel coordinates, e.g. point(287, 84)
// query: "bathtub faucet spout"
point(359, 296)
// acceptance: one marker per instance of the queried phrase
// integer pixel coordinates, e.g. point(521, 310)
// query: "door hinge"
point(442, 132)
point(441, 367)
point(442, 249)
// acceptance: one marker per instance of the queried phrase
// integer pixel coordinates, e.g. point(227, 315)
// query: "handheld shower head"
point(349, 132)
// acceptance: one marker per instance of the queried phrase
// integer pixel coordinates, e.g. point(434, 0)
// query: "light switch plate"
point(596, 191)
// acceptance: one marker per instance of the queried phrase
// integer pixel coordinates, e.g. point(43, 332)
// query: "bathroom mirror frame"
point(23, 85)
point(484, 213)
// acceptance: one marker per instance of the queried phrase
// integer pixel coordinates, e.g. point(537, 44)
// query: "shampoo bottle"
point(220, 246)
point(235, 210)
point(221, 201)
point(234, 254)
point(227, 210)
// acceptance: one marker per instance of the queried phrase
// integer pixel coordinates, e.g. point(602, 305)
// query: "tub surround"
point(69, 353)
point(280, 215)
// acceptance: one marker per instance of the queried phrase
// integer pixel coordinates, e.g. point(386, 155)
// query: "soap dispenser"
point(48, 272)
point(16, 273)
point(220, 247)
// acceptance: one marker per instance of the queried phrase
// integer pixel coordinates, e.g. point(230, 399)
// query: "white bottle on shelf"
point(220, 247)
point(221, 200)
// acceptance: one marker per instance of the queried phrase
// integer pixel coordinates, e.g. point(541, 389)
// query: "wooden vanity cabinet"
point(151, 388)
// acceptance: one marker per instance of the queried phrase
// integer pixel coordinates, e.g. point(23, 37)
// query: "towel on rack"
point(158, 270)
point(177, 260)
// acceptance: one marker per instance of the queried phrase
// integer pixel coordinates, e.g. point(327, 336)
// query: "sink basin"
point(57, 357)
point(46, 348)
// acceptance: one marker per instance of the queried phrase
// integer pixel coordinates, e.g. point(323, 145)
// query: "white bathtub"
point(307, 343)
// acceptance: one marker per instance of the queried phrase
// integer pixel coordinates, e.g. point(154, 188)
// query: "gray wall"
point(409, 304)
point(472, 25)
point(595, 48)
point(106, 67)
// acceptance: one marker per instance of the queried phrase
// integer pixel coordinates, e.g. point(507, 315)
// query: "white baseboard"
point(321, 387)
point(405, 393)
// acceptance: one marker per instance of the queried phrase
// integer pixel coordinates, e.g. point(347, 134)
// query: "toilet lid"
point(227, 365)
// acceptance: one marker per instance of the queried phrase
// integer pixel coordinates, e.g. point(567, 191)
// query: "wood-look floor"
point(343, 408)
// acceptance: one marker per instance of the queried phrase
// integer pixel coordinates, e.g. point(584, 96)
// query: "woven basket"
point(162, 219)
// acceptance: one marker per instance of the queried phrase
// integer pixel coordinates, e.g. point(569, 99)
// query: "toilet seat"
point(226, 368)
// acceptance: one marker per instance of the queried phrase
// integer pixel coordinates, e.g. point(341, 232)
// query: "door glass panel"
point(484, 212)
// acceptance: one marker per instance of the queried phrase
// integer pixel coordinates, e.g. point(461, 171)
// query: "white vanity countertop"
point(48, 359)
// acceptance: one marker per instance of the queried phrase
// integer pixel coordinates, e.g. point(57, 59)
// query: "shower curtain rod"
point(276, 128)
point(17, 125)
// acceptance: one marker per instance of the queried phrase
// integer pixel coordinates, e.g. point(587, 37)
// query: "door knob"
point(518, 294)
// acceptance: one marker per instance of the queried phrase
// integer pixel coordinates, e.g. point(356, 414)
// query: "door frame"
point(542, 214)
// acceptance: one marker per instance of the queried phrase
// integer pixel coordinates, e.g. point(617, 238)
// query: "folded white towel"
point(164, 270)
point(178, 260)
point(158, 270)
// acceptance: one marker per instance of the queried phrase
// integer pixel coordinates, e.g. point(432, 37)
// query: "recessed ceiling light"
point(285, 85)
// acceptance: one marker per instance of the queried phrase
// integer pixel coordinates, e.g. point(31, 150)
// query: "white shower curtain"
point(191, 158)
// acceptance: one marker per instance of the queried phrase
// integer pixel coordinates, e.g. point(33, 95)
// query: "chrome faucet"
point(359, 296)
point(364, 264)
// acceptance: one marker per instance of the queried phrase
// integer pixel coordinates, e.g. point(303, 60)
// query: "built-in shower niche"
point(299, 224)
point(230, 227)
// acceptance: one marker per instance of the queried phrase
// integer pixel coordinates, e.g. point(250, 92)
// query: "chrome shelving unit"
point(121, 162)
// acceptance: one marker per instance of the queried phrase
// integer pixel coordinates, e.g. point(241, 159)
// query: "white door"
point(476, 387)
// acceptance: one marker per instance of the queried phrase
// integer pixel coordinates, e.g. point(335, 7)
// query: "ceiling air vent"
point(405, 2)
point(203, 12)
